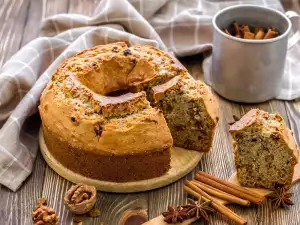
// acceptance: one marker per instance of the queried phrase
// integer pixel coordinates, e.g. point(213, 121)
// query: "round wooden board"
point(182, 162)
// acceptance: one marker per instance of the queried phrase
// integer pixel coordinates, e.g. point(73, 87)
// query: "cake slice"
point(191, 112)
point(265, 150)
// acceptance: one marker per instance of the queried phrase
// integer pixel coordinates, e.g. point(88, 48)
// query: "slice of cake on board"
point(265, 150)
point(191, 112)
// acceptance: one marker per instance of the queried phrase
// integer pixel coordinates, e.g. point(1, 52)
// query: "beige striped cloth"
point(182, 27)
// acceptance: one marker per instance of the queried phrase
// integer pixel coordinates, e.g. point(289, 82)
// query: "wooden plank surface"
point(13, 17)
point(19, 24)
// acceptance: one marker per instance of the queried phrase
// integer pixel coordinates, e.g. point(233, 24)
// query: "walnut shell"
point(80, 198)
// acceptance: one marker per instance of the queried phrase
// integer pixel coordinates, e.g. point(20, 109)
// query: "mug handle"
point(295, 19)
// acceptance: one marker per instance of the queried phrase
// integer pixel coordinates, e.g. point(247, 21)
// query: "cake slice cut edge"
point(191, 112)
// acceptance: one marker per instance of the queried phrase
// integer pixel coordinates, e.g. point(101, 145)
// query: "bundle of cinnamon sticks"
point(246, 32)
point(222, 192)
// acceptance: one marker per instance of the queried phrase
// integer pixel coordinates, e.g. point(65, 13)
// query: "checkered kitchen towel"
point(182, 27)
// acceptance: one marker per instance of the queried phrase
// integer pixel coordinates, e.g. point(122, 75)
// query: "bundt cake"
point(265, 150)
point(97, 119)
point(191, 112)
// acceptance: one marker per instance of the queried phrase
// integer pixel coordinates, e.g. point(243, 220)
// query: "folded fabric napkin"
point(181, 27)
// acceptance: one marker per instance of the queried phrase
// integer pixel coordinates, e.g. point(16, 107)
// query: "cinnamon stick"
point(244, 28)
point(226, 31)
point(259, 35)
point(237, 30)
point(220, 194)
point(193, 190)
point(257, 29)
point(270, 34)
point(229, 188)
point(232, 185)
point(248, 35)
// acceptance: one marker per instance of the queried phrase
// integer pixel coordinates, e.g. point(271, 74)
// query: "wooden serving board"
point(160, 219)
point(182, 162)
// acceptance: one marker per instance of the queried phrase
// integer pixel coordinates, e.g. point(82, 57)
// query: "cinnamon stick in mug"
point(260, 34)
point(237, 30)
point(248, 35)
point(257, 29)
point(244, 29)
point(226, 31)
point(271, 34)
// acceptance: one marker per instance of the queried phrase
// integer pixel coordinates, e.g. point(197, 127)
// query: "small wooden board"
point(182, 162)
point(160, 219)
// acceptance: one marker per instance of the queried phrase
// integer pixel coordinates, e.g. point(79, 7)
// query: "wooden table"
point(20, 21)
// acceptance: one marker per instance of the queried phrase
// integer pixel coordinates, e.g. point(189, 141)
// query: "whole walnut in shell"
point(80, 198)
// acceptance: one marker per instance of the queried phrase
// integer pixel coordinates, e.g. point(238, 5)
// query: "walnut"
point(80, 198)
point(44, 215)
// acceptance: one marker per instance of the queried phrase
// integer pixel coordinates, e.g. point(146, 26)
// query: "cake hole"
point(117, 93)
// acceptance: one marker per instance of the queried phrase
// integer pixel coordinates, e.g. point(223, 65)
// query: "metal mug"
point(250, 71)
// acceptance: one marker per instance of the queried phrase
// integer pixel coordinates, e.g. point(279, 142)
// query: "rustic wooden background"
point(19, 23)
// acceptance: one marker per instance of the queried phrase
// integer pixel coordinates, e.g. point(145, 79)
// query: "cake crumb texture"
point(265, 150)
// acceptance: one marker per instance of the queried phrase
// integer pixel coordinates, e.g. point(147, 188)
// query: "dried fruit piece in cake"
point(191, 112)
point(265, 150)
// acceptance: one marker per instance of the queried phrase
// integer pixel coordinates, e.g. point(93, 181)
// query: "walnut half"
point(44, 215)
point(80, 198)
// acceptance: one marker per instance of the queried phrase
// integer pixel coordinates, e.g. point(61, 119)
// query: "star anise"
point(198, 208)
point(175, 214)
point(281, 197)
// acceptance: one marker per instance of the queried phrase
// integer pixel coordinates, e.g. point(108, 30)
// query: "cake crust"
point(96, 115)
point(114, 168)
point(133, 134)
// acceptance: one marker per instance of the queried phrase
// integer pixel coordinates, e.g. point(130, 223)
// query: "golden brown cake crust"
point(113, 168)
point(132, 134)
point(72, 109)
point(96, 118)
point(103, 136)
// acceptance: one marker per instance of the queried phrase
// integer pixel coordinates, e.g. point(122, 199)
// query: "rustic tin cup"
point(250, 71)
